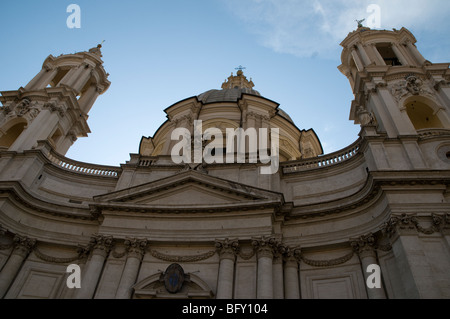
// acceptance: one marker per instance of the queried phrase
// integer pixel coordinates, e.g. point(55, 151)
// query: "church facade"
point(369, 221)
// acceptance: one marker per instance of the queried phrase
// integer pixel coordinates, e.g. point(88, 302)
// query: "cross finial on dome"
point(97, 50)
point(238, 81)
point(240, 69)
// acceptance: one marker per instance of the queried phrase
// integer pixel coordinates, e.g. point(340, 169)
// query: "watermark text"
point(74, 19)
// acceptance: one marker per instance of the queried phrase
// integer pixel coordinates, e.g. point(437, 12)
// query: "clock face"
point(174, 278)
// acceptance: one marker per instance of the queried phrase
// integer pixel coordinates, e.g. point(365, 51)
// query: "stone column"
point(278, 278)
point(43, 78)
point(379, 58)
point(363, 53)
point(36, 79)
point(100, 246)
point(264, 248)
point(22, 248)
point(136, 251)
point(89, 97)
point(227, 251)
point(70, 76)
point(68, 141)
point(416, 53)
point(399, 54)
point(365, 248)
point(291, 274)
point(357, 60)
point(82, 78)
point(39, 129)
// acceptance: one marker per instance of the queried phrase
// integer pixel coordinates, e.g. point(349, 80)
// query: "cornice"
point(376, 184)
point(15, 192)
point(240, 208)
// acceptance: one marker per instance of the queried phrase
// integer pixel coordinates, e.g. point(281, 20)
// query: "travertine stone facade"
point(309, 231)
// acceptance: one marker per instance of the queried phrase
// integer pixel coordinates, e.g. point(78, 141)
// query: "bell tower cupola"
point(54, 105)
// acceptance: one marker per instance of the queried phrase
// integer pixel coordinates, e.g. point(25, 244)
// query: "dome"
point(284, 115)
point(232, 90)
point(222, 109)
point(233, 95)
point(225, 95)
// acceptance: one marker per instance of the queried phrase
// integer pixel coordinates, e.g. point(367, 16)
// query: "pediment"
point(189, 189)
point(153, 287)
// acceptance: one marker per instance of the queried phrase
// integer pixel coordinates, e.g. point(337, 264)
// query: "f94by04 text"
point(247, 308)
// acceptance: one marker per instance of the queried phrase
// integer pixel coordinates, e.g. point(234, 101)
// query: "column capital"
point(265, 246)
point(136, 247)
point(227, 248)
point(23, 245)
point(278, 253)
point(100, 245)
point(48, 67)
point(364, 245)
point(100, 89)
point(53, 107)
point(292, 256)
point(73, 137)
point(86, 66)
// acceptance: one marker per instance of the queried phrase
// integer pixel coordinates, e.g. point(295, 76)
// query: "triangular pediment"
point(188, 189)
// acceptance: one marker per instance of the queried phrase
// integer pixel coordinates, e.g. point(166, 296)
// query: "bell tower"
point(54, 105)
point(399, 95)
point(394, 83)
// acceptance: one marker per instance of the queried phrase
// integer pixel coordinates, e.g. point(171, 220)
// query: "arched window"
point(422, 115)
point(7, 139)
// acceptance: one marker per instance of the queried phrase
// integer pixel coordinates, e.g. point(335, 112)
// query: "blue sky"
point(160, 52)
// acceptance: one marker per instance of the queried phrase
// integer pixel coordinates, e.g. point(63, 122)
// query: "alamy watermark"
point(74, 19)
point(374, 279)
point(236, 147)
point(74, 279)
point(373, 21)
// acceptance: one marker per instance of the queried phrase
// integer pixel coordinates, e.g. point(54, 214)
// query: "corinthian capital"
point(100, 244)
point(265, 246)
point(48, 67)
point(292, 254)
point(23, 245)
point(364, 244)
point(136, 247)
point(227, 248)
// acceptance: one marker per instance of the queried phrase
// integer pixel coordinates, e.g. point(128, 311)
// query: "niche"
point(7, 139)
point(422, 115)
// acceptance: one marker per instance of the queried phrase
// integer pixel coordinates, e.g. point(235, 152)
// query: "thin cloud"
point(306, 28)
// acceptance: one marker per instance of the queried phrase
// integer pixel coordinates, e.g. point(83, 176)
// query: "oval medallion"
point(174, 278)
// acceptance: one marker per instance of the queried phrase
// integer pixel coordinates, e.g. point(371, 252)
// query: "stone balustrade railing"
point(287, 167)
point(322, 161)
point(83, 168)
